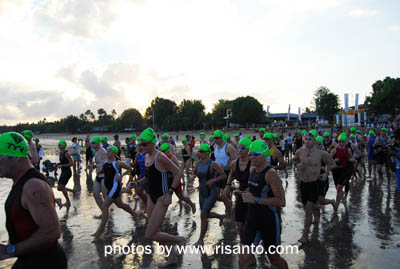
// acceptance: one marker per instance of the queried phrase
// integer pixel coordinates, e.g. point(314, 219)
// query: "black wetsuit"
point(260, 218)
point(110, 179)
point(159, 182)
point(66, 172)
point(242, 177)
point(20, 226)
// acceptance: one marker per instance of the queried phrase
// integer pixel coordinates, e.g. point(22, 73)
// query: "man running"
point(33, 154)
point(224, 154)
point(309, 161)
point(65, 166)
point(39, 149)
point(275, 158)
point(381, 145)
point(31, 219)
point(165, 138)
point(370, 151)
point(264, 196)
point(104, 142)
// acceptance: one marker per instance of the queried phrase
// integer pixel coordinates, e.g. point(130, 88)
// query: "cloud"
point(395, 28)
point(362, 12)
point(81, 18)
point(7, 5)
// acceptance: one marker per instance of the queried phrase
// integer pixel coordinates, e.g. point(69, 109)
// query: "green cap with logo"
point(259, 146)
point(304, 132)
point(353, 129)
point(62, 142)
point(95, 140)
point(237, 135)
point(114, 149)
point(164, 147)
point(27, 134)
point(276, 136)
point(342, 137)
point(263, 130)
point(218, 133)
point(314, 133)
point(205, 148)
point(148, 135)
point(371, 132)
point(184, 140)
point(245, 141)
point(133, 137)
point(268, 136)
point(202, 133)
point(211, 136)
point(327, 134)
point(384, 129)
point(358, 131)
point(13, 144)
point(227, 136)
point(352, 136)
point(165, 135)
point(104, 139)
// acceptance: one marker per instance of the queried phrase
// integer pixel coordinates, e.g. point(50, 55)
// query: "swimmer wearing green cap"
point(262, 132)
point(113, 185)
point(309, 160)
point(166, 149)
point(224, 154)
point(104, 142)
point(158, 174)
point(240, 170)
point(65, 165)
point(202, 138)
point(166, 138)
point(275, 157)
point(209, 173)
point(100, 157)
point(24, 212)
point(329, 144)
point(381, 147)
point(237, 138)
point(186, 157)
point(260, 213)
point(370, 150)
point(33, 153)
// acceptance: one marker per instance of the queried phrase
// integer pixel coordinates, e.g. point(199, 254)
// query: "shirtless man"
point(100, 158)
point(309, 167)
point(34, 157)
point(224, 154)
point(276, 158)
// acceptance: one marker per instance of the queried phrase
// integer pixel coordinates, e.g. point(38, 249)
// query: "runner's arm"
point(168, 165)
point(125, 166)
point(232, 152)
point(37, 198)
point(218, 169)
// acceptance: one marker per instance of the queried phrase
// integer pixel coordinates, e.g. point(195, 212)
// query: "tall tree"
point(131, 118)
point(326, 103)
point(165, 112)
point(191, 115)
point(247, 110)
point(385, 97)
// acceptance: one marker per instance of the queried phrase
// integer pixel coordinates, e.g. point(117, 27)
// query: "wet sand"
point(362, 235)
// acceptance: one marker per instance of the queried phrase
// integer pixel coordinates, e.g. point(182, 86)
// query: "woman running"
point(66, 173)
point(240, 170)
point(186, 155)
point(206, 169)
point(112, 182)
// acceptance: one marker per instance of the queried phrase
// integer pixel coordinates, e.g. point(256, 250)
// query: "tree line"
point(245, 111)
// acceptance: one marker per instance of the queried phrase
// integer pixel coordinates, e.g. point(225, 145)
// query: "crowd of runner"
point(242, 172)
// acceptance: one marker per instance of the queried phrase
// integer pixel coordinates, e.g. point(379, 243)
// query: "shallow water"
point(363, 235)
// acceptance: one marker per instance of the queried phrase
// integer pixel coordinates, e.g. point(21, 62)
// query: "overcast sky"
point(64, 57)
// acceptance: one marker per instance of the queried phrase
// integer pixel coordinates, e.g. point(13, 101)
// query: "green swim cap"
point(319, 139)
point(202, 133)
point(259, 146)
point(245, 141)
point(96, 140)
point(148, 135)
point(342, 137)
point(184, 140)
point(314, 133)
point(62, 143)
point(114, 148)
point(262, 130)
point(237, 135)
point(353, 129)
point(327, 134)
point(276, 136)
point(218, 133)
point(14, 145)
point(372, 132)
point(205, 148)
point(165, 135)
point(359, 131)
point(384, 129)
point(164, 146)
point(268, 136)
point(104, 139)
point(27, 134)
point(299, 132)
point(304, 132)
point(227, 136)
point(352, 136)
point(133, 137)
point(211, 136)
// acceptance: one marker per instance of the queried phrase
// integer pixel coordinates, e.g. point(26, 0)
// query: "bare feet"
point(58, 202)
point(221, 220)
point(199, 243)
point(193, 206)
point(67, 204)
point(304, 239)
point(98, 233)
point(170, 262)
point(333, 203)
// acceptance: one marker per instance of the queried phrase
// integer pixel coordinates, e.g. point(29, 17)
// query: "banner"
point(299, 114)
point(267, 114)
point(288, 114)
point(346, 102)
point(356, 101)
